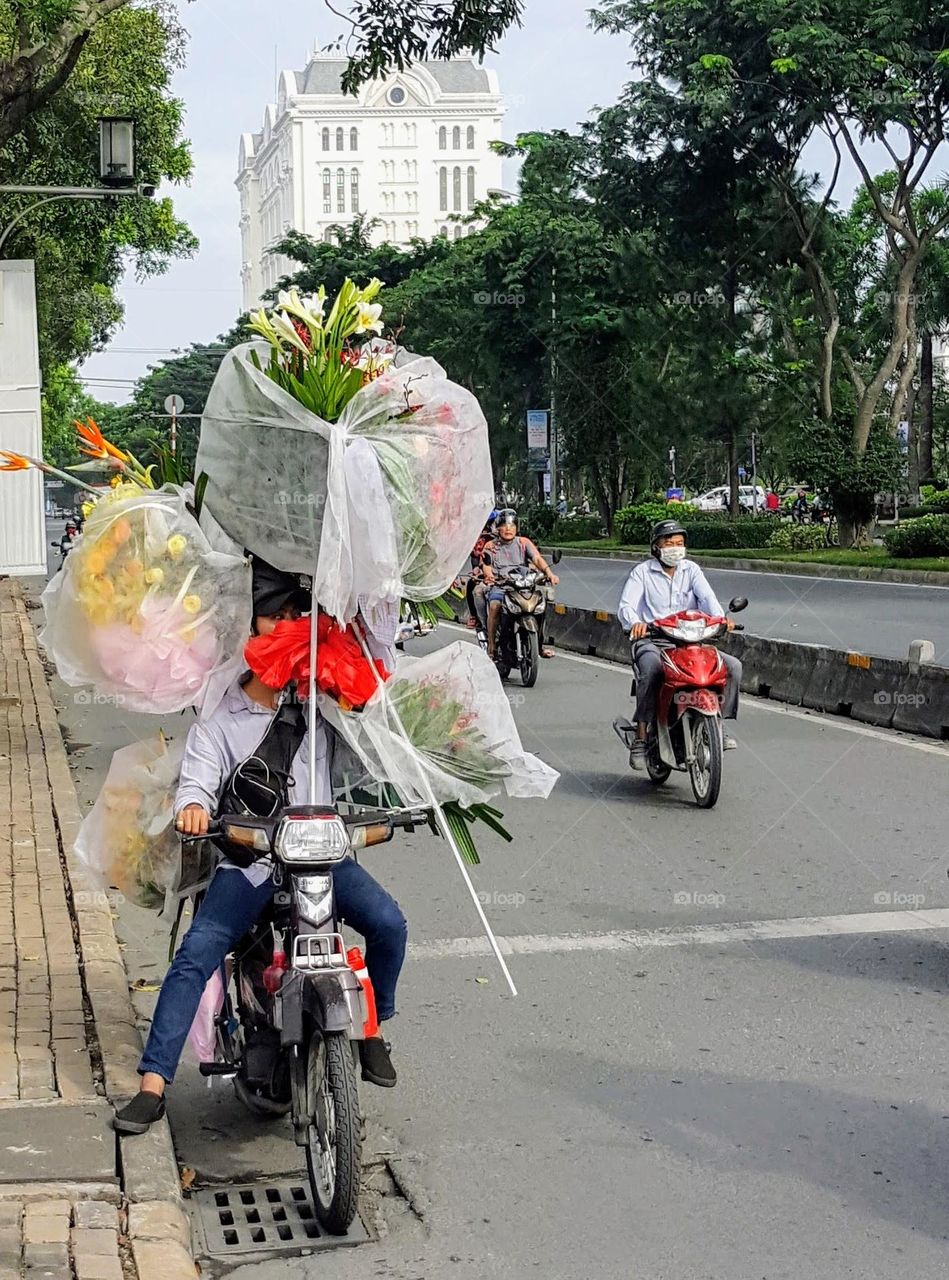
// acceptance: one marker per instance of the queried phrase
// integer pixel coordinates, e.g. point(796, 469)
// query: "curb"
point(855, 572)
point(149, 1169)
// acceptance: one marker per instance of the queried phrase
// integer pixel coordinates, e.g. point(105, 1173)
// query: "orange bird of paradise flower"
point(14, 461)
point(94, 444)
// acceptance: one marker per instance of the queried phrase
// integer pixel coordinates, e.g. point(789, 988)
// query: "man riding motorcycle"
point(507, 552)
point(664, 584)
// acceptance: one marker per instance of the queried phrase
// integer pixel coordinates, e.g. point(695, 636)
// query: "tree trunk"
point(924, 437)
point(912, 447)
point(733, 507)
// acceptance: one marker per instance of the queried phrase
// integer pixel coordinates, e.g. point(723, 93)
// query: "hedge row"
point(706, 532)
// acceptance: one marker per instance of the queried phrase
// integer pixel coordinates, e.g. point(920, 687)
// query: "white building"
point(411, 151)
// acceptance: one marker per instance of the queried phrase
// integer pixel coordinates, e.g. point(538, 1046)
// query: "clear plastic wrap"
point(145, 609)
point(127, 839)
point(460, 730)
point(386, 503)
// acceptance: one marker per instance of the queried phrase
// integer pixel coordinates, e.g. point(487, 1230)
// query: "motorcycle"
point(687, 733)
point(64, 546)
point(517, 643)
point(288, 1036)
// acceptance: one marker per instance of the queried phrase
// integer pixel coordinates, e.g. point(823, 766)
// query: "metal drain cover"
point(264, 1217)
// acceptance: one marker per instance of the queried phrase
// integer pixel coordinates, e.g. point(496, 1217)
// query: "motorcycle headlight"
point(312, 838)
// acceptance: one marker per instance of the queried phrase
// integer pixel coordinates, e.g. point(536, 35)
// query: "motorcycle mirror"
point(556, 556)
point(739, 603)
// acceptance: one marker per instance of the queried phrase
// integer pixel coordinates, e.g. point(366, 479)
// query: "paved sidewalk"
point(73, 1205)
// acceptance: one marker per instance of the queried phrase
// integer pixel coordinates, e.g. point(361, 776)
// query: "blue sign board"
point(675, 495)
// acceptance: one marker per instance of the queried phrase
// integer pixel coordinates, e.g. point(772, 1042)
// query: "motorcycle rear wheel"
point(530, 658)
point(334, 1133)
point(705, 772)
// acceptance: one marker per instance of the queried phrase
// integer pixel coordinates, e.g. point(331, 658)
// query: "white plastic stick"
point(440, 818)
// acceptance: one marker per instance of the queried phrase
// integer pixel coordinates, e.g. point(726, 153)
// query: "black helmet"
point(664, 529)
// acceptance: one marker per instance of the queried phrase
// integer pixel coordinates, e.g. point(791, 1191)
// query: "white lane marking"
point(752, 703)
point(798, 577)
point(869, 922)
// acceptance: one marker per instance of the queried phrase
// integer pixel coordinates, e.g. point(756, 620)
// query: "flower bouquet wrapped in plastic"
point(328, 448)
point(127, 840)
point(443, 722)
point(144, 609)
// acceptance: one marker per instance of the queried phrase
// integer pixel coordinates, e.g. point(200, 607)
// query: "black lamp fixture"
point(117, 151)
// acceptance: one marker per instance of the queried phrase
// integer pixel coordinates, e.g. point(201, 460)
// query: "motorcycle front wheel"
point(334, 1132)
point(530, 658)
point(705, 772)
point(656, 767)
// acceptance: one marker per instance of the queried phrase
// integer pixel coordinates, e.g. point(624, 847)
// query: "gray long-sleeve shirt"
point(651, 593)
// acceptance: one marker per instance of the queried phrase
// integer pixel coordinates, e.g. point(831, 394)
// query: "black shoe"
point(140, 1114)
point(637, 755)
point(377, 1066)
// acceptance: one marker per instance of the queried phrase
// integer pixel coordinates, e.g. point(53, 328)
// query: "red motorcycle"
point(687, 732)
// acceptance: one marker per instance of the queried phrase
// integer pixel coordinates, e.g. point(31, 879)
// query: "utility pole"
point(754, 472)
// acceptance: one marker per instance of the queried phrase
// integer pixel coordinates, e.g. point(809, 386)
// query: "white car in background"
point(717, 499)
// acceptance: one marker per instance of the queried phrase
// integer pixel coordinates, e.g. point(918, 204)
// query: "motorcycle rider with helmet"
point(506, 552)
point(667, 583)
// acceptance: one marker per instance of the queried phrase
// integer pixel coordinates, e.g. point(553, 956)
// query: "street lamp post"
point(116, 174)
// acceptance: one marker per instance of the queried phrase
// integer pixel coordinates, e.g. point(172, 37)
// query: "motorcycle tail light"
point(312, 838)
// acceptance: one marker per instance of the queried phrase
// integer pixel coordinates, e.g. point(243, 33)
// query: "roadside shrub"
point(536, 522)
point(576, 529)
point(717, 534)
point(634, 524)
point(798, 537)
point(928, 536)
point(937, 502)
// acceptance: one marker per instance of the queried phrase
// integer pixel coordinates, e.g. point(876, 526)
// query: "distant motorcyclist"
point(506, 552)
point(664, 584)
point(475, 589)
point(799, 508)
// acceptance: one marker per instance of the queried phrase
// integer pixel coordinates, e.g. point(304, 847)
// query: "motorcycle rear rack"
point(319, 951)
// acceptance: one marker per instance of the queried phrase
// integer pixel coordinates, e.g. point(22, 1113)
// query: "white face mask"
point(672, 555)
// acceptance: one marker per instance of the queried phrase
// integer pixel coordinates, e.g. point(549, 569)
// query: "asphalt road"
point(880, 618)
point(736, 1107)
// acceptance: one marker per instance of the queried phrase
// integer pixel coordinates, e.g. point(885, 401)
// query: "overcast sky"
point(552, 72)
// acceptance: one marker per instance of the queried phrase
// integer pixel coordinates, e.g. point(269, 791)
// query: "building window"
point(396, 95)
point(459, 232)
point(340, 190)
point(339, 139)
point(354, 139)
point(471, 186)
point(354, 190)
point(471, 137)
point(443, 139)
point(443, 188)
point(411, 230)
point(329, 235)
point(456, 188)
point(444, 231)
point(456, 138)
point(326, 139)
point(327, 192)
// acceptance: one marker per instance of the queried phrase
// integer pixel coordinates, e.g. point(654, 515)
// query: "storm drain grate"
point(264, 1217)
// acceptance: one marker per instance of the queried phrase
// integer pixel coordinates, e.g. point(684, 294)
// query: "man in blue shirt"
point(664, 584)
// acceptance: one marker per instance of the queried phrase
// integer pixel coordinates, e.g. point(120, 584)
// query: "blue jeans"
point(230, 907)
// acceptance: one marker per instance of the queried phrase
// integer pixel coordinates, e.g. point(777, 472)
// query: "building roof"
point(324, 76)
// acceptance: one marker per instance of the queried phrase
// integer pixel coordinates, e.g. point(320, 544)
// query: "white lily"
point(259, 322)
point(368, 317)
point(309, 310)
point(285, 332)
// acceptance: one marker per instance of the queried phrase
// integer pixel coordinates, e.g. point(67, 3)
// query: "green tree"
point(769, 78)
point(82, 247)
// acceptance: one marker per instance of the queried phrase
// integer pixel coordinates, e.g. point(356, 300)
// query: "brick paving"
point(45, 1052)
point(68, 1043)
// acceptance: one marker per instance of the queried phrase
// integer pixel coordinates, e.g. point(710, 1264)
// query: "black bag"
point(259, 785)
